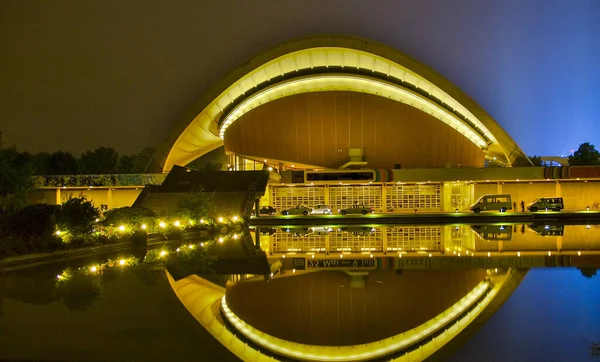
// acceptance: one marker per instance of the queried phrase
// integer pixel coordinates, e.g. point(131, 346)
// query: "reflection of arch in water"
point(480, 302)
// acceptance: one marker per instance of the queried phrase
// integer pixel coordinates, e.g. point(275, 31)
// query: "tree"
point(536, 160)
point(62, 163)
point(130, 216)
point(77, 216)
point(141, 160)
point(196, 205)
point(126, 164)
point(15, 176)
point(588, 272)
point(103, 160)
point(585, 155)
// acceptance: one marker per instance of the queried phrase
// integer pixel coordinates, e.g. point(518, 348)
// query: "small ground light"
point(235, 218)
point(144, 226)
point(430, 255)
point(341, 255)
point(59, 276)
point(235, 236)
point(162, 224)
point(270, 168)
point(122, 228)
point(293, 270)
point(284, 256)
point(97, 219)
point(177, 223)
point(122, 262)
point(370, 256)
point(163, 253)
point(191, 246)
point(313, 256)
point(489, 254)
point(57, 232)
point(220, 219)
point(579, 253)
point(549, 254)
point(518, 253)
point(201, 221)
point(220, 240)
point(93, 269)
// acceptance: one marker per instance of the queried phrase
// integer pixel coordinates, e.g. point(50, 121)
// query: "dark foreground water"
point(127, 314)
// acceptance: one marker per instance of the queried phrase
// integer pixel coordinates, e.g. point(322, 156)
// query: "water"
point(124, 311)
point(127, 313)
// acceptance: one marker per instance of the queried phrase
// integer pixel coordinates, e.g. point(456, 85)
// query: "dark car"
point(267, 210)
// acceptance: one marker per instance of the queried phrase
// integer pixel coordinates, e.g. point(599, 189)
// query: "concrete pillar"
point(558, 189)
point(559, 242)
point(109, 198)
point(326, 197)
point(257, 210)
point(384, 204)
point(58, 197)
point(500, 246)
point(281, 167)
point(327, 244)
point(384, 239)
point(499, 189)
point(257, 239)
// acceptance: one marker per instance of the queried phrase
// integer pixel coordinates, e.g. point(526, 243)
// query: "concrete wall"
point(99, 196)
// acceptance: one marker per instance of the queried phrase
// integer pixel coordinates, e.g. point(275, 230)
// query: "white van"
point(492, 202)
point(547, 203)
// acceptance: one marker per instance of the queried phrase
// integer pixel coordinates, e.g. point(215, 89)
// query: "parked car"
point(550, 203)
point(299, 209)
point(267, 210)
point(357, 209)
point(492, 202)
point(321, 209)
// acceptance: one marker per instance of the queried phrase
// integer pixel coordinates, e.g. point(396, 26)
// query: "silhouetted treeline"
point(103, 160)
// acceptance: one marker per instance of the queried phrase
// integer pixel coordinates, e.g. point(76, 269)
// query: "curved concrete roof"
point(328, 64)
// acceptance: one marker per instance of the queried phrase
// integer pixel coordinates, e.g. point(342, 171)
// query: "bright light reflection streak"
point(357, 352)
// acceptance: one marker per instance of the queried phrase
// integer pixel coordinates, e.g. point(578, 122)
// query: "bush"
point(77, 216)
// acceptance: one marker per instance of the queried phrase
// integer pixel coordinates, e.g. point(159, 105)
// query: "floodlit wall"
point(322, 308)
point(320, 128)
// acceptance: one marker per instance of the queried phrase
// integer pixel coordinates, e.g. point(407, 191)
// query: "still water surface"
point(130, 312)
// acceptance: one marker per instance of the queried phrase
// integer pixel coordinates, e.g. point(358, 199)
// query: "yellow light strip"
point(341, 82)
point(357, 352)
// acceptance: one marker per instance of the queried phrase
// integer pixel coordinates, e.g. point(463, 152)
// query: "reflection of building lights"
point(144, 226)
point(122, 262)
point(93, 269)
point(162, 224)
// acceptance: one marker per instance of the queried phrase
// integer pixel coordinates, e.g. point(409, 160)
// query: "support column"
point(500, 246)
point(109, 198)
point(281, 167)
point(384, 239)
point(384, 205)
point(559, 242)
point(58, 197)
point(327, 244)
point(257, 239)
point(326, 196)
point(257, 209)
point(558, 189)
point(499, 189)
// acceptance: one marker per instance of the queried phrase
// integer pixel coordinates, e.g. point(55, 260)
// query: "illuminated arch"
point(330, 64)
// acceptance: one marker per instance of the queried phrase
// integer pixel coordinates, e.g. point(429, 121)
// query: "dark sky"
point(78, 75)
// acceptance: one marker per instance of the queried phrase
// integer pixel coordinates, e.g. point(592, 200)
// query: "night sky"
point(77, 75)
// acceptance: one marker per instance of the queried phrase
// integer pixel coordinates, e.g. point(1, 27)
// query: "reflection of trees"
point(79, 291)
point(28, 289)
point(588, 272)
